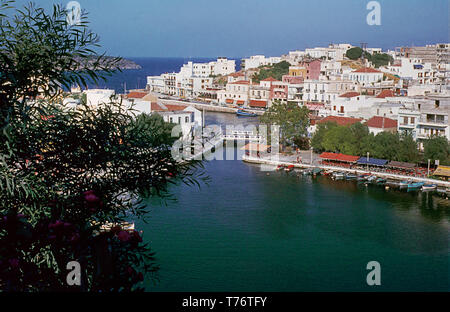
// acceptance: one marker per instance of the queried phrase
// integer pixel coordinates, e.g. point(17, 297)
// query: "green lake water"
point(249, 231)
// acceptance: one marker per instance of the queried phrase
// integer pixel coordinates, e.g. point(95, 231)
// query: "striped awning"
point(442, 171)
point(372, 161)
point(339, 157)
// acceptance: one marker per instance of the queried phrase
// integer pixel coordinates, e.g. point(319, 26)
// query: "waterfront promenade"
point(288, 162)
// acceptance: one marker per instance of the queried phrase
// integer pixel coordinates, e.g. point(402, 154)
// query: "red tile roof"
point(136, 95)
point(349, 94)
point(238, 74)
point(256, 103)
point(385, 93)
point(244, 82)
point(381, 122)
point(269, 79)
point(172, 107)
point(341, 121)
point(367, 70)
point(155, 107)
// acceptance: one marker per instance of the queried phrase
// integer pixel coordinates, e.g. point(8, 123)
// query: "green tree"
point(292, 120)
point(275, 71)
point(408, 151)
point(65, 172)
point(384, 145)
point(320, 134)
point(381, 59)
point(437, 148)
point(354, 53)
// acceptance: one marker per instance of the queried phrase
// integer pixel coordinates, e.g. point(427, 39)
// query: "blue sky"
point(238, 28)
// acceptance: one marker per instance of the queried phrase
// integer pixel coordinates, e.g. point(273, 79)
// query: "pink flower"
point(90, 197)
point(55, 225)
point(123, 236)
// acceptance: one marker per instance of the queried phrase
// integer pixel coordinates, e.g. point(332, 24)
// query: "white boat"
point(429, 187)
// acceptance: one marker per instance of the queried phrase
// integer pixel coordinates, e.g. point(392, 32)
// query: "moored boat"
point(289, 168)
point(429, 187)
point(350, 176)
point(403, 184)
point(415, 185)
point(241, 112)
point(338, 175)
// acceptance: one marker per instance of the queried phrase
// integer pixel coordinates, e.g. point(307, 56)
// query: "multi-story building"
point(256, 61)
point(366, 76)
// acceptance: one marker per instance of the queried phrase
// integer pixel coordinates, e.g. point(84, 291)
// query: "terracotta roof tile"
point(349, 94)
point(385, 93)
point(136, 95)
point(381, 122)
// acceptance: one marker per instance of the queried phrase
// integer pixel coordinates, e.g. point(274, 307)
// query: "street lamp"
point(368, 161)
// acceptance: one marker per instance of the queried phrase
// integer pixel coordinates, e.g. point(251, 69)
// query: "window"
point(405, 120)
point(171, 120)
point(186, 119)
point(413, 120)
point(179, 120)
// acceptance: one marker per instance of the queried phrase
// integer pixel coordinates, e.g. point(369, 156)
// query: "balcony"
point(431, 121)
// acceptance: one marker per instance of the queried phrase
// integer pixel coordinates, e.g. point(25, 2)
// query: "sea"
point(150, 66)
point(253, 230)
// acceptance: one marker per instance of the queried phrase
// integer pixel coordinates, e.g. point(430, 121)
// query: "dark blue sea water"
point(151, 66)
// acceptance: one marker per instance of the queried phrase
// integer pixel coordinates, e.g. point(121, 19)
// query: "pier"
point(398, 177)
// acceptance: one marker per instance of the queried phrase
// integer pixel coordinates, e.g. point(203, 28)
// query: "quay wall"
point(357, 171)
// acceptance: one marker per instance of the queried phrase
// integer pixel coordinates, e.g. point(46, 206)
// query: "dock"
point(391, 176)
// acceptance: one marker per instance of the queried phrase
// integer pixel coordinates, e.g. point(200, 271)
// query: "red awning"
point(240, 102)
point(256, 103)
point(339, 157)
point(230, 101)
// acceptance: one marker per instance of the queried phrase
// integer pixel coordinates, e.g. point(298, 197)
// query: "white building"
point(366, 76)
point(98, 96)
point(256, 61)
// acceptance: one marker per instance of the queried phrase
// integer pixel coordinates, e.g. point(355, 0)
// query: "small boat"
point(429, 187)
point(338, 175)
point(403, 184)
point(415, 185)
point(307, 172)
point(380, 181)
point(371, 179)
point(350, 176)
point(241, 112)
point(289, 168)
point(280, 167)
point(316, 171)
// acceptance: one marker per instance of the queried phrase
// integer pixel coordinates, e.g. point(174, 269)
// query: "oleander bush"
point(65, 171)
